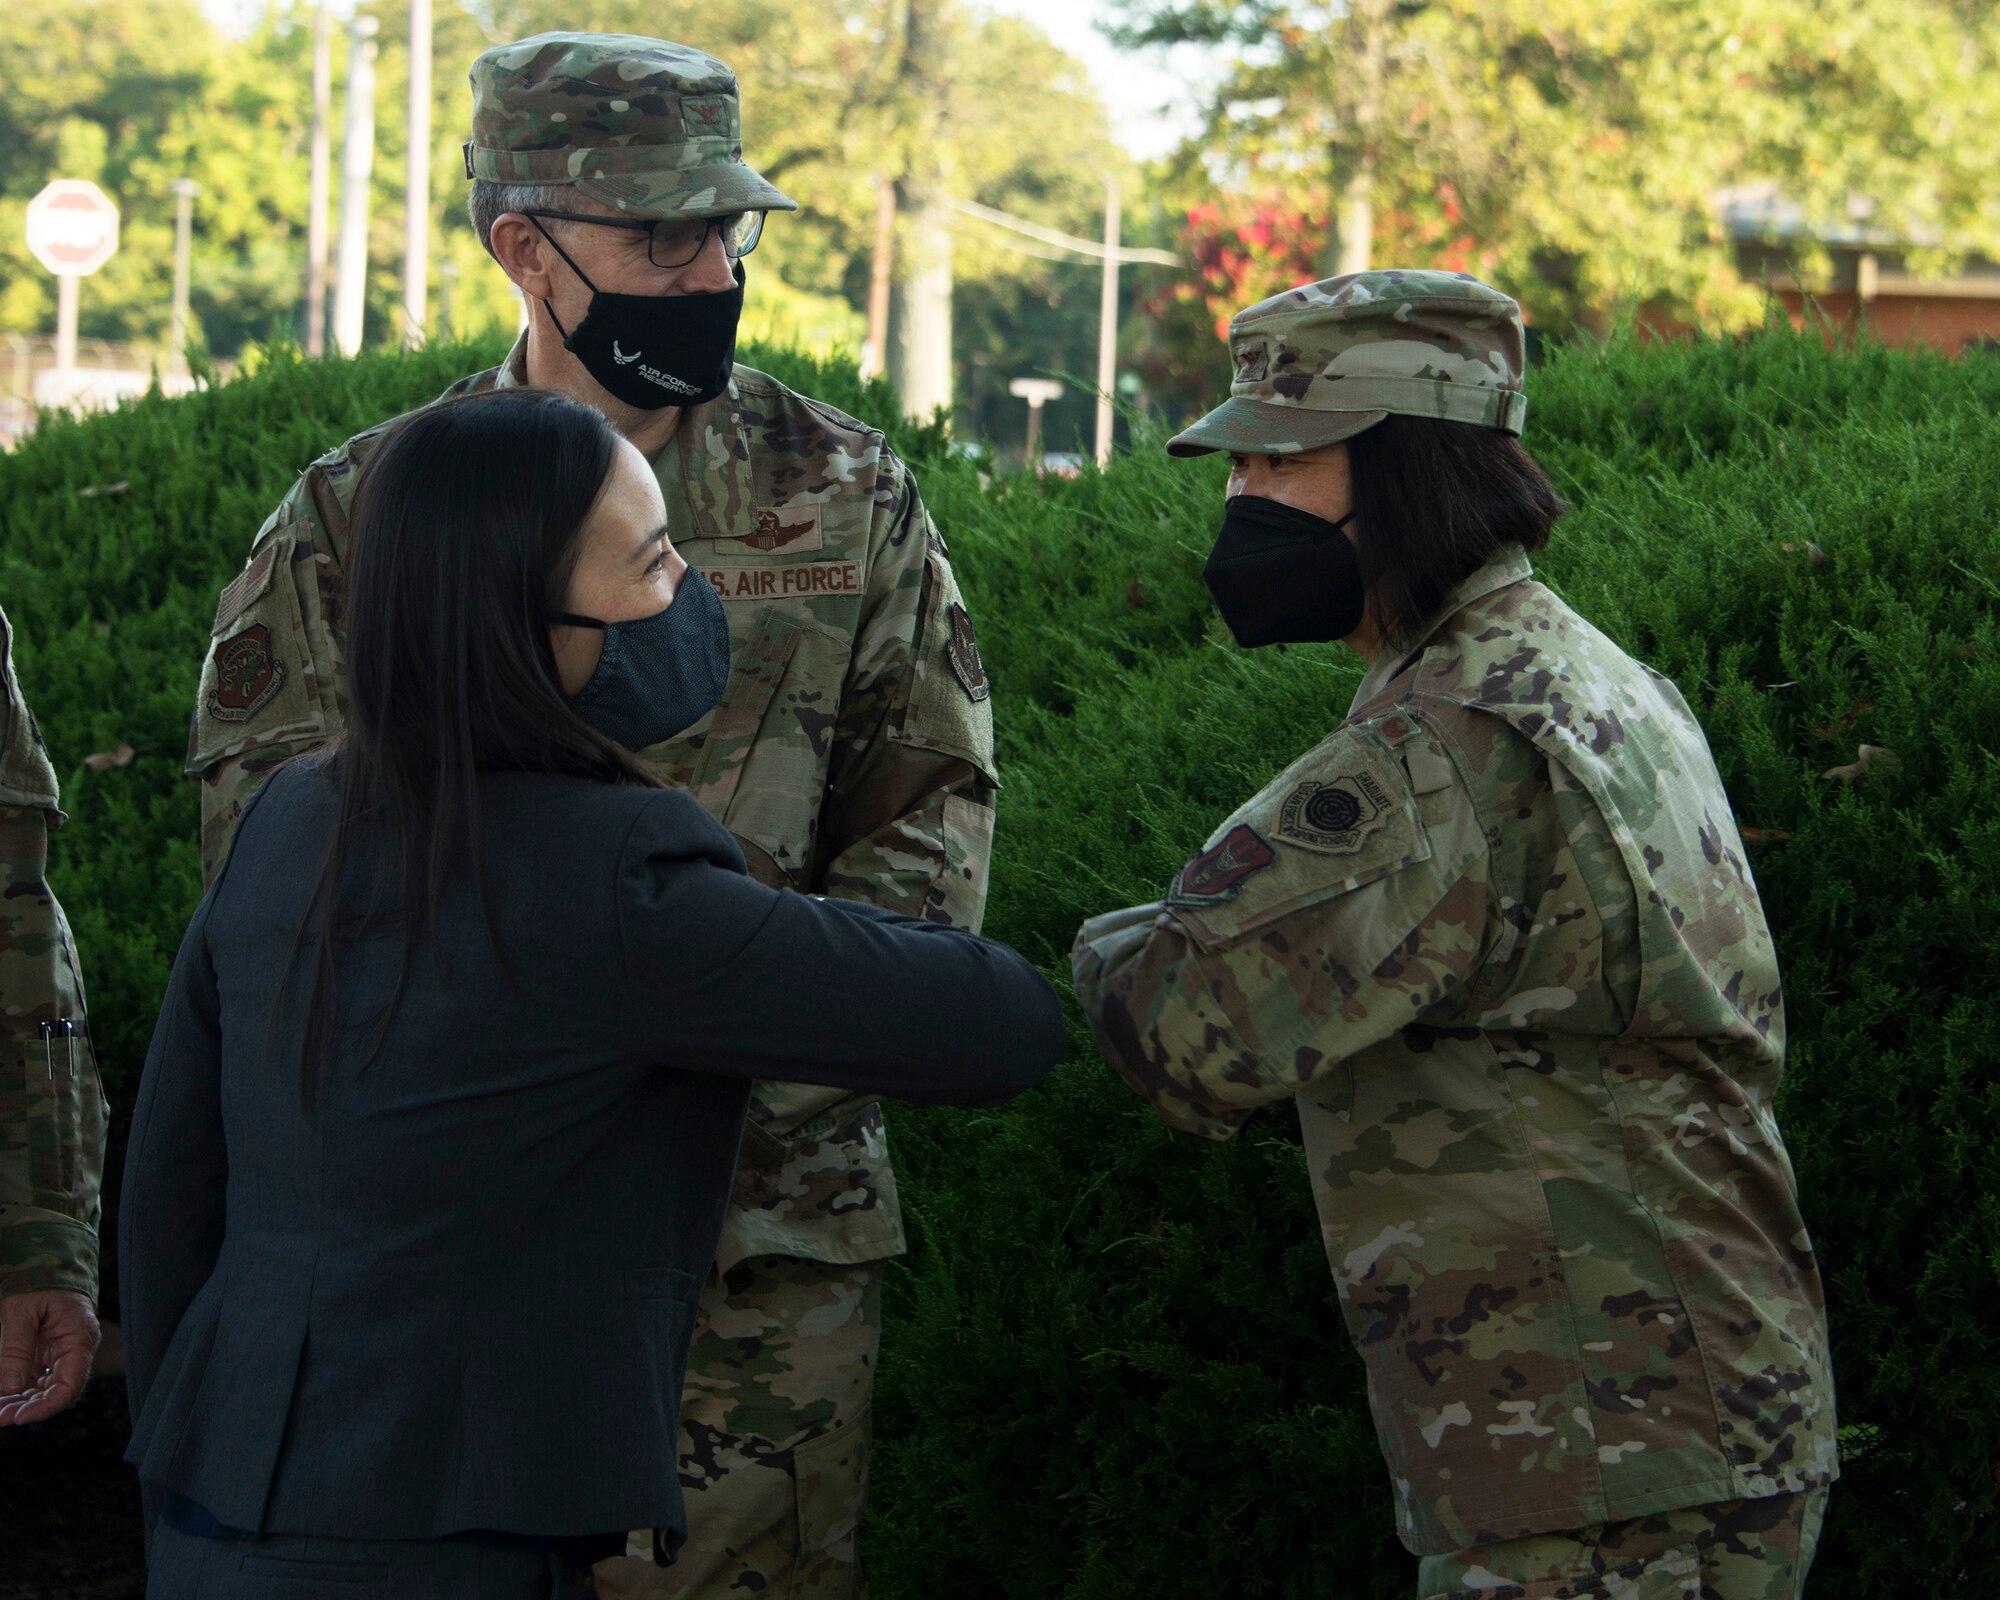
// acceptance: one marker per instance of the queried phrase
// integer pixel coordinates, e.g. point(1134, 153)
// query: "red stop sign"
point(72, 227)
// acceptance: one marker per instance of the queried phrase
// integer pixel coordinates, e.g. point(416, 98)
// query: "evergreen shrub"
point(1114, 1366)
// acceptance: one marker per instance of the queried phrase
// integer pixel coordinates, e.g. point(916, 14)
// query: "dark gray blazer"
point(459, 1294)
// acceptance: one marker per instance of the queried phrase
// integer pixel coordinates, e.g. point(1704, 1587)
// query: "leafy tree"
point(133, 94)
point(1574, 149)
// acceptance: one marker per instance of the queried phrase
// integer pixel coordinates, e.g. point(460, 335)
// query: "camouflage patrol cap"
point(1321, 363)
point(648, 127)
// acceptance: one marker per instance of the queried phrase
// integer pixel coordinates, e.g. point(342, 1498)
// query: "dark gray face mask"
point(660, 675)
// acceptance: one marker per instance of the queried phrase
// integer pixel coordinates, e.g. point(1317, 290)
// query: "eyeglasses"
point(676, 241)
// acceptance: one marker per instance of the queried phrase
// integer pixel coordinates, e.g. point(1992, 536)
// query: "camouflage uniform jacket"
point(851, 754)
point(52, 1111)
point(1497, 936)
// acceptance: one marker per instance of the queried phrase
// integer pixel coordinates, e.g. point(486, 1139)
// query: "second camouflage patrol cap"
point(1321, 363)
point(652, 128)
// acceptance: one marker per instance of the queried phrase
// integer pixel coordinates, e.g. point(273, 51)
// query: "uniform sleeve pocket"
point(950, 707)
point(259, 682)
point(1340, 818)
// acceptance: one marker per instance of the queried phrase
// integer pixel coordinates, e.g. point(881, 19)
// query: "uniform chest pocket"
point(259, 682)
point(759, 762)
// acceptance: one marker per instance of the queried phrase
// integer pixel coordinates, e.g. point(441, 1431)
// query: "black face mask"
point(1284, 576)
point(661, 675)
point(654, 350)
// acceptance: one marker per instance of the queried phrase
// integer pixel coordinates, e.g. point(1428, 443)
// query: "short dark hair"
point(1433, 502)
point(464, 536)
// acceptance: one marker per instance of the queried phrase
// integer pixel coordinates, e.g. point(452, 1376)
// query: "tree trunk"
point(1350, 234)
point(881, 270)
point(920, 341)
point(1354, 221)
point(920, 352)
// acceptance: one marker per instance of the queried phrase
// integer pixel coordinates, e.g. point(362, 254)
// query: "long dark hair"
point(464, 537)
point(1434, 501)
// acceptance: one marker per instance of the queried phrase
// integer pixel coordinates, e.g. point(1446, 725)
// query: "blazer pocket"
point(660, 1283)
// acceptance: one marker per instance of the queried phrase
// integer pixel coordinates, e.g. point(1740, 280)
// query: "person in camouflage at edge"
point(1497, 937)
point(52, 1111)
point(851, 753)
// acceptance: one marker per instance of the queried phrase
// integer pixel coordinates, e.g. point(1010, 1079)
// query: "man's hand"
point(48, 1339)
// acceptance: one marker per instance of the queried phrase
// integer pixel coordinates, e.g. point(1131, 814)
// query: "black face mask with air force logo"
point(654, 350)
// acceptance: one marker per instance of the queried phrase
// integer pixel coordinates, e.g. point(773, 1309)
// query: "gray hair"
point(490, 201)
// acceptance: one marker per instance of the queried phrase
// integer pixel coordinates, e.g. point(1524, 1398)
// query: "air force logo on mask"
point(666, 380)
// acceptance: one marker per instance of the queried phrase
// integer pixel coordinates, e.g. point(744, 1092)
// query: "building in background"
point(1867, 284)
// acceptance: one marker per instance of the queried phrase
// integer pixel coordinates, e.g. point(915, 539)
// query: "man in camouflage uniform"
point(1497, 937)
point(851, 754)
point(52, 1111)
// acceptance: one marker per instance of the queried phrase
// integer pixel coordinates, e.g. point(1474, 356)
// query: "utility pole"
point(317, 204)
point(184, 191)
point(417, 191)
point(357, 161)
point(881, 271)
point(1107, 325)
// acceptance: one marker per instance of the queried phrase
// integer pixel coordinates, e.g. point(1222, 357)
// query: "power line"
point(1063, 241)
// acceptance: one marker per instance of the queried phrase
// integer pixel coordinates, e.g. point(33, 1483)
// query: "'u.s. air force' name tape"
point(801, 581)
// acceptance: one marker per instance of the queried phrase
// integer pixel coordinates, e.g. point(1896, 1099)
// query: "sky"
point(1151, 94)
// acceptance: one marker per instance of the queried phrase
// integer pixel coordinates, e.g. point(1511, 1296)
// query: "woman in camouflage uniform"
point(1497, 936)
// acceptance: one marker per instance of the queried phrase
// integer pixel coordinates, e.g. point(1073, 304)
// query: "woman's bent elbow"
point(1027, 1039)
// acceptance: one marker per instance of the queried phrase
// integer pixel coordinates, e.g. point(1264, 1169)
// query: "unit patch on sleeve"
point(1218, 873)
point(963, 648)
point(247, 675)
point(1336, 816)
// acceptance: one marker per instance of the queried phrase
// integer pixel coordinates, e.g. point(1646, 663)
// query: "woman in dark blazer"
point(434, 1139)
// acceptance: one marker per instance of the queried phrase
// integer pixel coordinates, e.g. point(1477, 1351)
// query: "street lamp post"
point(1037, 392)
point(184, 191)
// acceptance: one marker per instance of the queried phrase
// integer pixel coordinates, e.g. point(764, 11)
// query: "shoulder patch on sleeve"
point(1220, 871)
point(963, 648)
point(1337, 814)
point(1341, 816)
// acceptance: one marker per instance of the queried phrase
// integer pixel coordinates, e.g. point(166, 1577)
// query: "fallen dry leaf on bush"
point(1135, 595)
point(105, 760)
point(1834, 729)
point(95, 489)
point(1765, 835)
point(1869, 757)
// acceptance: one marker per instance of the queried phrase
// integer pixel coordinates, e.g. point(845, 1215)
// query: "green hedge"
point(1115, 1368)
